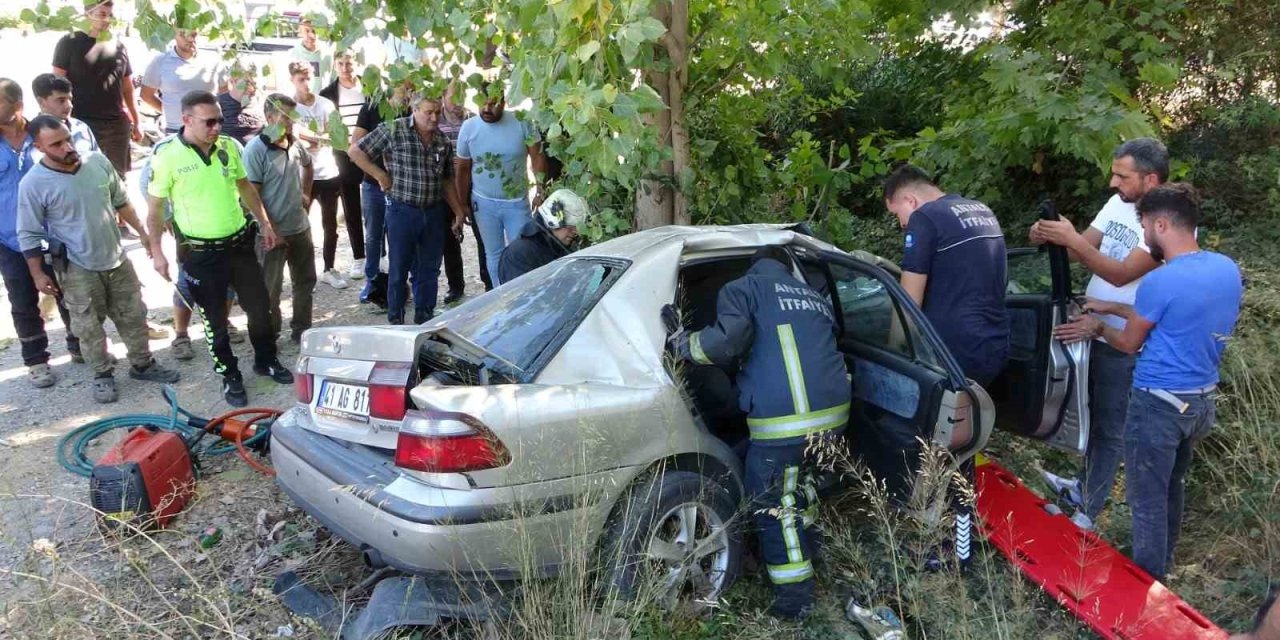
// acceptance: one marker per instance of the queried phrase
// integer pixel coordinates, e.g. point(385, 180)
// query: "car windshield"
point(520, 319)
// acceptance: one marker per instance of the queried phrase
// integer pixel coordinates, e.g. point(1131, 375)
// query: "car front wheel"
point(674, 538)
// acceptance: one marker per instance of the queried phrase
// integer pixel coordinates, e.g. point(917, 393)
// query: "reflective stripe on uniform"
point(787, 515)
point(795, 374)
point(799, 424)
point(695, 349)
point(790, 573)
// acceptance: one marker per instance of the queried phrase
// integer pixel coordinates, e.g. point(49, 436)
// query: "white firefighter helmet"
point(563, 209)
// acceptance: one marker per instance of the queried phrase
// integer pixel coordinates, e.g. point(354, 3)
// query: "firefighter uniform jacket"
point(792, 382)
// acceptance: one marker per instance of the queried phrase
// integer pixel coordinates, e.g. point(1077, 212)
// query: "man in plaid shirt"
point(418, 183)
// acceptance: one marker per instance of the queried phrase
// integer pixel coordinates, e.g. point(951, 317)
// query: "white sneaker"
point(333, 279)
point(356, 272)
point(1068, 489)
point(1083, 521)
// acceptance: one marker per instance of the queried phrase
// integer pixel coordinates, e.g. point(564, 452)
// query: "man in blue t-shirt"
point(954, 268)
point(1181, 319)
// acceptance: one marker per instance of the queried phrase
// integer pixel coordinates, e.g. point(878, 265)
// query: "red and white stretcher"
point(1099, 585)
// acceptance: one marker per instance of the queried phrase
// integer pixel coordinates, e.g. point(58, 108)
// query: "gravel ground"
point(37, 497)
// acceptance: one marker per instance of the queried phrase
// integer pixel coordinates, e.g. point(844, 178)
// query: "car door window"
point(872, 316)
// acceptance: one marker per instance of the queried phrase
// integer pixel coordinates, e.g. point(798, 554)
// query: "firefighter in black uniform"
point(548, 236)
point(795, 390)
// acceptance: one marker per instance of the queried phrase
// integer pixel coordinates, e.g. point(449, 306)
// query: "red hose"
point(257, 414)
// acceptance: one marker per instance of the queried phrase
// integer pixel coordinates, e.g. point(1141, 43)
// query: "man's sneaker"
point(277, 371)
point(181, 348)
point(234, 334)
point(356, 272)
point(104, 389)
point(233, 391)
point(1080, 519)
point(454, 296)
point(1067, 489)
point(879, 623)
point(333, 279)
point(154, 373)
point(41, 375)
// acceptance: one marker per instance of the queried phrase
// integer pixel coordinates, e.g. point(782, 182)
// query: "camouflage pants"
point(115, 294)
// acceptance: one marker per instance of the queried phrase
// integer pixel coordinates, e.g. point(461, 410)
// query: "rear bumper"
point(494, 534)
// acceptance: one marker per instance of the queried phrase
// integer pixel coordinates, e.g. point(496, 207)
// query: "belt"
point(207, 244)
point(1172, 399)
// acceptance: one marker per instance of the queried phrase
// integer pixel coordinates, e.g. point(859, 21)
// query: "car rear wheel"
point(674, 538)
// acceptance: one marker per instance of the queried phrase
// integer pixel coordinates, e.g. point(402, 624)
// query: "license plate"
point(343, 401)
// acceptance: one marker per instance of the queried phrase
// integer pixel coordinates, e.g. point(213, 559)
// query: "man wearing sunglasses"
point(202, 174)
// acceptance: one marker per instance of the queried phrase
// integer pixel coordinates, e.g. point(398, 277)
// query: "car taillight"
point(388, 390)
point(444, 442)
point(302, 381)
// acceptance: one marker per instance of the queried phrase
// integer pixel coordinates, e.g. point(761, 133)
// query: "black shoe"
point(233, 391)
point(277, 371)
point(454, 296)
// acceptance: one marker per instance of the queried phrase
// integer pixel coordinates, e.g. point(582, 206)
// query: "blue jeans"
point(1157, 453)
point(500, 222)
point(415, 240)
point(24, 305)
point(1110, 379)
point(373, 203)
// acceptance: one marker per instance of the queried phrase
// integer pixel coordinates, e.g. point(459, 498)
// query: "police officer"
point(546, 237)
point(202, 174)
point(795, 389)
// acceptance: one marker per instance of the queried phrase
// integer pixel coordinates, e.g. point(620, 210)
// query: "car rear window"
point(531, 316)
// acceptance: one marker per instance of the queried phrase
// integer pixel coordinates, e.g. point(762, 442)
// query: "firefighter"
point(548, 236)
point(795, 389)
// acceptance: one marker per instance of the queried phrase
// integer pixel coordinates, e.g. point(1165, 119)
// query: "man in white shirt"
point(314, 113)
point(347, 94)
point(1114, 250)
point(181, 69)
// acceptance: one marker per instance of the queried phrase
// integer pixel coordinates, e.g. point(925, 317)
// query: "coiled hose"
point(73, 447)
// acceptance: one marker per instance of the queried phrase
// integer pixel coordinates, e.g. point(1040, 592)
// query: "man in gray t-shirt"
point(72, 204)
point(280, 168)
point(181, 69)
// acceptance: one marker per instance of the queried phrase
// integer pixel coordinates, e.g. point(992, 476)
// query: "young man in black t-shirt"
point(954, 267)
point(98, 67)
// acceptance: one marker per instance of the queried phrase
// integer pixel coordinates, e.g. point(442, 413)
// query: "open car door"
point(906, 385)
point(1044, 391)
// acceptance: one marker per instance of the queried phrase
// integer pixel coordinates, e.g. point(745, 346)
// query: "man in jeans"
point(419, 165)
point(16, 159)
point(77, 201)
point(1113, 249)
point(1181, 319)
point(373, 202)
point(281, 171)
point(492, 176)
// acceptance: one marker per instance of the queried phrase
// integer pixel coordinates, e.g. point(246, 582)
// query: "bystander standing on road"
point(416, 180)
point(16, 159)
point(313, 53)
point(202, 173)
point(97, 64)
point(314, 113)
point(1172, 403)
point(453, 114)
point(241, 109)
point(71, 203)
point(492, 176)
point(373, 202)
point(181, 69)
point(280, 169)
point(347, 94)
point(54, 96)
point(1112, 248)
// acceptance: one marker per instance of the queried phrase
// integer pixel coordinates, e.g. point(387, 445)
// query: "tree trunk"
point(659, 201)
